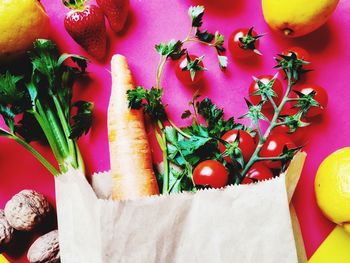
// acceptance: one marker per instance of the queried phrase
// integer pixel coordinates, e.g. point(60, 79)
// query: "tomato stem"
point(255, 157)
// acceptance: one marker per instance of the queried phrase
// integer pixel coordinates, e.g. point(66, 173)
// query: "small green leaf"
point(171, 50)
point(9, 92)
point(219, 42)
point(204, 36)
point(9, 116)
point(171, 135)
point(196, 13)
point(223, 62)
point(135, 97)
point(149, 100)
point(82, 120)
point(186, 114)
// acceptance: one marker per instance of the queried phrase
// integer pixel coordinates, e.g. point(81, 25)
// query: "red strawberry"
point(86, 25)
point(116, 12)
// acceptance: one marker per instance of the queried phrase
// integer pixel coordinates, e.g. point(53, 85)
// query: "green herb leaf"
point(186, 114)
point(8, 116)
point(149, 100)
point(171, 50)
point(219, 42)
point(196, 13)
point(135, 97)
point(82, 120)
point(222, 62)
point(9, 92)
point(214, 117)
point(44, 58)
point(204, 36)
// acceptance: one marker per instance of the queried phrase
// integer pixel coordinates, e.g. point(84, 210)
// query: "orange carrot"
point(130, 154)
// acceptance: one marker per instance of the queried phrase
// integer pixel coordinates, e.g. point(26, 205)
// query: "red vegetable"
point(86, 25)
point(299, 52)
point(246, 143)
point(190, 69)
point(273, 147)
point(277, 88)
point(320, 95)
point(257, 172)
point(116, 12)
point(210, 173)
point(300, 136)
point(243, 43)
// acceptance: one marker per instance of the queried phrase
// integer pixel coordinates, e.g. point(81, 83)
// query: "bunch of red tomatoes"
point(213, 173)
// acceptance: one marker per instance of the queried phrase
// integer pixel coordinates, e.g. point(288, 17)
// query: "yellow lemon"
point(332, 187)
point(295, 18)
point(21, 22)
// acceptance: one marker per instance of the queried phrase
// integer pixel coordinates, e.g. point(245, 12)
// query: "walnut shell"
point(26, 210)
point(6, 230)
point(45, 249)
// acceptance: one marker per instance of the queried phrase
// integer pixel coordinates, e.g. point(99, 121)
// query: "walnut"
point(6, 231)
point(26, 210)
point(45, 249)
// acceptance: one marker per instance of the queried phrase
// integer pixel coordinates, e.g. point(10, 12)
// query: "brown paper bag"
point(246, 223)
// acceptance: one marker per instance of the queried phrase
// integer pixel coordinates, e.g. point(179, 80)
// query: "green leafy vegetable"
point(150, 100)
point(42, 100)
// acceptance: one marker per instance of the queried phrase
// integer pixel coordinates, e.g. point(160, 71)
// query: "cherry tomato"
point(246, 143)
point(257, 172)
point(273, 147)
point(320, 96)
point(211, 173)
point(277, 88)
point(299, 52)
point(300, 136)
point(236, 46)
point(183, 73)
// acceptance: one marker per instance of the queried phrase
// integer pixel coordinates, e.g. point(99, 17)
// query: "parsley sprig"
point(38, 106)
point(174, 49)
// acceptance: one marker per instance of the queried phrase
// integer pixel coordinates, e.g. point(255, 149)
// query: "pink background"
point(154, 21)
